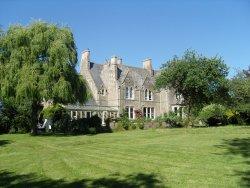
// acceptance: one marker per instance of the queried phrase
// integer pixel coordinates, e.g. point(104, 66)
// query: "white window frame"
point(176, 108)
point(148, 95)
point(130, 111)
point(149, 112)
point(129, 93)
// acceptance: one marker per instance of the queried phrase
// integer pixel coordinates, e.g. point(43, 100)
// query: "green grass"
point(201, 157)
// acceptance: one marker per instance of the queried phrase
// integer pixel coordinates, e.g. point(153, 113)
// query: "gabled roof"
point(138, 75)
point(95, 70)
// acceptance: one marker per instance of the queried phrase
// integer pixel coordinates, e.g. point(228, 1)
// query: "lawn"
point(201, 157)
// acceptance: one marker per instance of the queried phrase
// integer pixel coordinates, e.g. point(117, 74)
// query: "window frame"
point(129, 93)
point(130, 112)
point(149, 112)
point(148, 95)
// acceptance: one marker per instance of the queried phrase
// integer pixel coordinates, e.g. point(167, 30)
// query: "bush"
point(92, 130)
point(124, 121)
point(91, 125)
point(96, 122)
point(244, 113)
point(192, 121)
point(213, 114)
point(172, 119)
point(139, 121)
point(15, 119)
point(5, 124)
point(59, 117)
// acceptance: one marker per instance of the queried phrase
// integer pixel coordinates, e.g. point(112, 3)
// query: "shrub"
point(124, 121)
point(213, 114)
point(5, 124)
point(92, 130)
point(191, 121)
point(139, 119)
point(139, 122)
point(60, 118)
point(244, 113)
point(15, 119)
point(87, 126)
point(118, 127)
point(79, 126)
point(172, 119)
point(96, 122)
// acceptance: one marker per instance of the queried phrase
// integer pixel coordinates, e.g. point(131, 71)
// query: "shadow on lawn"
point(11, 180)
point(4, 142)
point(240, 146)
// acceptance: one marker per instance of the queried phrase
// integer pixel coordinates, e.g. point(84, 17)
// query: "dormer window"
point(148, 95)
point(102, 92)
point(129, 93)
point(178, 96)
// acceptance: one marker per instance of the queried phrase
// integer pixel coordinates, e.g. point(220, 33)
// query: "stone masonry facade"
point(117, 88)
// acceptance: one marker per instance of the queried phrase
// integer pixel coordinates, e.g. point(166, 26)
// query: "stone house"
point(116, 87)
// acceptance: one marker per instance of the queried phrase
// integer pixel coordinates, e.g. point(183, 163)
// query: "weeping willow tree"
point(37, 62)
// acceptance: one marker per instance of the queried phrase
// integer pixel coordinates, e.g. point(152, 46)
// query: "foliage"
point(191, 121)
point(198, 79)
point(38, 62)
point(172, 119)
point(59, 116)
point(15, 119)
point(91, 125)
point(139, 119)
point(213, 114)
point(240, 94)
point(92, 130)
point(124, 121)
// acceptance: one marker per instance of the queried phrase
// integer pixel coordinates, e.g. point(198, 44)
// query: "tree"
point(38, 62)
point(240, 93)
point(198, 79)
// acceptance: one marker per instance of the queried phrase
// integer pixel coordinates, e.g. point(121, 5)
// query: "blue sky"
point(138, 29)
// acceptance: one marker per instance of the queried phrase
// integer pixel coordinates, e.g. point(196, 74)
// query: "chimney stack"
point(113, 60)
point(113, 67)
point(86, 55)
point(147, 64)
point(119, 61)
point(85, 60)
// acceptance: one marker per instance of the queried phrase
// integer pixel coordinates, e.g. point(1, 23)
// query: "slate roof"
point(138, 74)
point(95, 70)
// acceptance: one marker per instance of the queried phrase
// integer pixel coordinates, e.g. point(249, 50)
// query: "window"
point(152, 113)
point(178, 110)
point(148, 95)
point(88, 115)
point(175, 110)
point(149, 112)
point(177, 96)
point(129, 93)
point(130, 112)
point(102, 92)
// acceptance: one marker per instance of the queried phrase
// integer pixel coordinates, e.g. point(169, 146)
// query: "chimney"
point(119, 61)
point(147, 64)
point(113, 60)
point(113, 67)
point(85, 59)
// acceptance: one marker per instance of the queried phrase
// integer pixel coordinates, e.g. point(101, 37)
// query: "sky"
point(137, 29)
